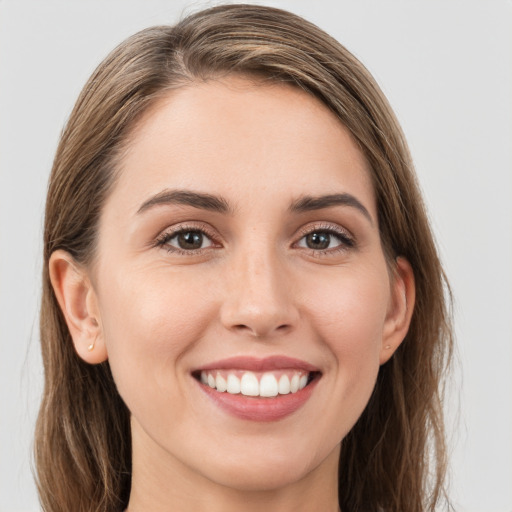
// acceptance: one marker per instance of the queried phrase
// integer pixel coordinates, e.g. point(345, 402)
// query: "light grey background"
point(446, 66)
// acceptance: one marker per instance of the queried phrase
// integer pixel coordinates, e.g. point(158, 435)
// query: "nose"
point(259, 298)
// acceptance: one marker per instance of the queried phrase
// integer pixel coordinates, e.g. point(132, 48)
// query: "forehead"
point(237, 137)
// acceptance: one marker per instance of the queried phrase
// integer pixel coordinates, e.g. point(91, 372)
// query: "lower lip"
point(260, 409)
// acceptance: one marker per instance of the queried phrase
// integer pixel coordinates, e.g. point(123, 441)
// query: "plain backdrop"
point(446, 67)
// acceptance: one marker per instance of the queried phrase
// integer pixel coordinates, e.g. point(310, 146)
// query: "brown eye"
point(325, 240)
point(189, 240)
point(318, 240)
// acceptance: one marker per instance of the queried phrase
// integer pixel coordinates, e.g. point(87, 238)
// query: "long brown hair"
point(394, 459)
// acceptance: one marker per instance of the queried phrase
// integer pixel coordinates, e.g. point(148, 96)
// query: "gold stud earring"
point(387, 347)
point(90, 348)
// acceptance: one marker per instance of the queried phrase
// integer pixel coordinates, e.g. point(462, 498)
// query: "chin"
point(257, 476)
point(266, 468)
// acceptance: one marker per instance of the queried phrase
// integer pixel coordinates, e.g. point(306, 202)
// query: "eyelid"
point(346, 237)
point(170, 232)
point(324, 226)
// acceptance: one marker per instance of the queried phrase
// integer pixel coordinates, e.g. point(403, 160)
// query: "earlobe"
point(78, 302)
point(398, 319)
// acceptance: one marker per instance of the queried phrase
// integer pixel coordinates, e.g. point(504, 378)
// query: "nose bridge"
point(258, 299)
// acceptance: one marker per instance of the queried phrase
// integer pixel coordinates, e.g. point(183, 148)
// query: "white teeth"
point(233, 384)
point(294, 384)
point(284, 385)
point(249, 385)
point(268, 385)
point(220, 383)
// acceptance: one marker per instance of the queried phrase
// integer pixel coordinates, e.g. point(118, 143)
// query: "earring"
point(387, 347)
point(90, 348)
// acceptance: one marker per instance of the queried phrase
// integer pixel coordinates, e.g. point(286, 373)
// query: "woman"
point(243, 305)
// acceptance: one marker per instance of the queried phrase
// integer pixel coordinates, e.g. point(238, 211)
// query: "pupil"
point(318, 240)
point(190, 240)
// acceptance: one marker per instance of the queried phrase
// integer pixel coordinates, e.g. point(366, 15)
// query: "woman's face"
point(240, 249)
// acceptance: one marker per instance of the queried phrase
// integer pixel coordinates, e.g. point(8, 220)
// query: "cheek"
point(349, 317)
point(150, 320)
point(350, 309)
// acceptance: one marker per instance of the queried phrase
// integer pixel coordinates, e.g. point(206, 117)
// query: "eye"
point(185, 240)
point(324, 240)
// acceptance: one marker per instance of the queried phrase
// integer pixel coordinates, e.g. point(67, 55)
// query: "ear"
point(398, 318)
point(78, 302)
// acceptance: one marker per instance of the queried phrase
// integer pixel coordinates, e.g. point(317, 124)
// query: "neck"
point(161, 483)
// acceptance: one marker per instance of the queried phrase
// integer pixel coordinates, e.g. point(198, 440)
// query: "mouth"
point(256, 384)
point(258, 389)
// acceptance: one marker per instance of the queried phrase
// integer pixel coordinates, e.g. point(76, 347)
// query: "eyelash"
point(347, 241)
point(164, 239)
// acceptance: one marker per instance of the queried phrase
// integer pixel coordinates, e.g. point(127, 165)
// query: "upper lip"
point(260, 364)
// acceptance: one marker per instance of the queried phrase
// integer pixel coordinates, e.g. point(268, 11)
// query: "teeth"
point(268, 385)
point(220, 383)
point(294, 384)
point(250, 384)
point(233, 384)
point(284, 385)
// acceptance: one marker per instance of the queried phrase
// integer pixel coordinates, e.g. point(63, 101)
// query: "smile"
point(247, 383)
point(258, 390)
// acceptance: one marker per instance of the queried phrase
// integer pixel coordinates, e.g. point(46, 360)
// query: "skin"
point(254, 289)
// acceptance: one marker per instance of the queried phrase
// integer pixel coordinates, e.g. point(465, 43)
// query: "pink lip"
point(254, 408)
point(260, 409)
point(260, 365)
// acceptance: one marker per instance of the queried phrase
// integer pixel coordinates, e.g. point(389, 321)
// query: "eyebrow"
point(185, 197)
point(221, 205)
point(310, 203)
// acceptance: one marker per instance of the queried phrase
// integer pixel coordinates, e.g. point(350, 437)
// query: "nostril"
point(261, 330)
